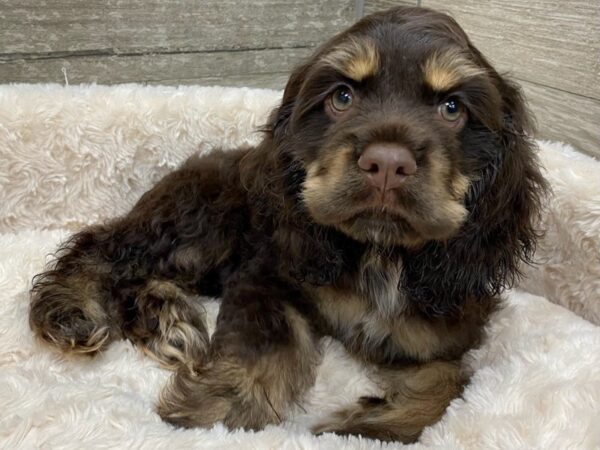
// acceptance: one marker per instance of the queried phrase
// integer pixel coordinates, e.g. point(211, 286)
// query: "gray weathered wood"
point(566, 117)
point(553, 43)
point(32, 27)
point(372, 6)
point(230, 42)
point(256, 68)
point(554, 47)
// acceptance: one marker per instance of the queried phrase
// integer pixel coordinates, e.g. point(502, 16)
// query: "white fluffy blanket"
point(72, 156)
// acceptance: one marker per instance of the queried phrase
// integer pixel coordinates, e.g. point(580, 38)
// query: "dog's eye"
point(341, 99)
point(451, 110)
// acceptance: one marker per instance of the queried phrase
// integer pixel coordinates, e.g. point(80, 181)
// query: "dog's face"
point(394, 122)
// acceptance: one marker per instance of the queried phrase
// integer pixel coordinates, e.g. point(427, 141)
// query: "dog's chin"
point(382, 229)
point(391, 230)
point(387, 222)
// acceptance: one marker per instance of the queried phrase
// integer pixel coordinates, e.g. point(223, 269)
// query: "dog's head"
point(408, 137)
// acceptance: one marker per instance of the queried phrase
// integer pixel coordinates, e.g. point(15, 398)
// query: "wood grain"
point(32, 27)
point(254, 68)
point(372, 6)
point(552, 43)
point(566, 117)
point(552, 47)
point(230, 42)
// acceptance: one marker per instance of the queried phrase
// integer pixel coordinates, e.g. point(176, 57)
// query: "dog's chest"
point(372, 317)
point(378, 284)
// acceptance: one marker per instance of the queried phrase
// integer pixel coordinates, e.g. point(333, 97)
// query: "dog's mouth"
point(408, 216)
point(384, 201)
point(381, 221)
point(394, 220)
point(393, 230)
point(380, 225)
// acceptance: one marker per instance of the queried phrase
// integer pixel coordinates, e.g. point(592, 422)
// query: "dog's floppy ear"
point(280, 118)
point(500, 232)
point(308, 253)
point(272, 156)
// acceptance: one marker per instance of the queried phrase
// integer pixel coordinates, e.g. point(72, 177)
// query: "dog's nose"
point(387, 165)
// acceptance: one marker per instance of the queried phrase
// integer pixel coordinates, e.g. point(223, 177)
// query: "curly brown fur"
point(402, 259)
point(415, 397)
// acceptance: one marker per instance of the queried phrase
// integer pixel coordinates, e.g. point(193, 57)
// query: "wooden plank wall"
point(551, 48)
point(228, 42)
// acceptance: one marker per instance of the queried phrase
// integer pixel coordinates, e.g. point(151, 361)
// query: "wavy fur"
point(406, 279)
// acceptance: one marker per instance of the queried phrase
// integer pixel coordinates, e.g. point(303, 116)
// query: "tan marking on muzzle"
point(447, 199)
point(318, 188)
point(460, 184)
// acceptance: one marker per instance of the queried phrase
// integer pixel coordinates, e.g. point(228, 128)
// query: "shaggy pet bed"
point(77, 155)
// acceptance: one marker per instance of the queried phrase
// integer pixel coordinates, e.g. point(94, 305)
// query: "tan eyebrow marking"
point(445, 70)
point(356, 58)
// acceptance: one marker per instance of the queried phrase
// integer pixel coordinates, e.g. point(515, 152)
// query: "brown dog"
point(390, 202)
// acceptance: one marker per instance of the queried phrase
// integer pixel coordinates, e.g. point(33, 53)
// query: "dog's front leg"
point(263, 357)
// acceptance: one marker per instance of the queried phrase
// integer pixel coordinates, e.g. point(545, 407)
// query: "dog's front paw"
point(169, 325)
point(220, 392)
point(69, 324)
point(195, 399)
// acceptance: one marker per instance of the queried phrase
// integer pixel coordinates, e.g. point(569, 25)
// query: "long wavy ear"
point(266, 169)
point(279, 120)
point(500, 232)
point(306, 251)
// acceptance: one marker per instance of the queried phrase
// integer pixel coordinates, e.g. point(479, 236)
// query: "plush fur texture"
point(523, 347)
point(388, 206)
point(78, 155)
point(536, 382)
point(568, 258)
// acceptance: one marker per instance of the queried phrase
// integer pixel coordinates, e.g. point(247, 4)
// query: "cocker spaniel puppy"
point(391, 201)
